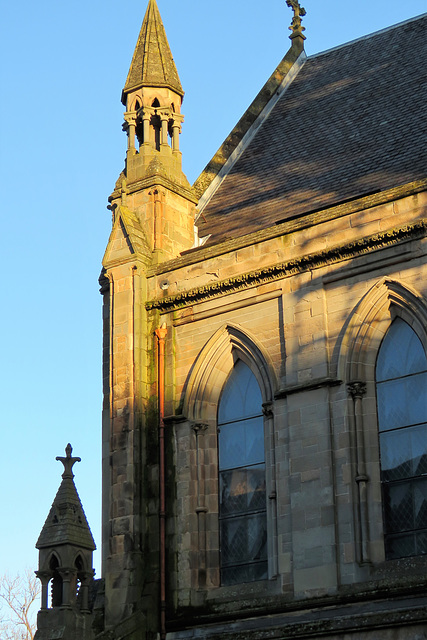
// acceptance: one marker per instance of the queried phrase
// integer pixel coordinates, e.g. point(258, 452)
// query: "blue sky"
point(62, 149)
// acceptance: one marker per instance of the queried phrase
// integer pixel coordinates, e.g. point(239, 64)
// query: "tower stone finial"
point(68, 462)
point(299, 11)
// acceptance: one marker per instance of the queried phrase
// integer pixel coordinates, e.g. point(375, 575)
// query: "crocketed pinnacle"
point(152, 63)
point(66, 522)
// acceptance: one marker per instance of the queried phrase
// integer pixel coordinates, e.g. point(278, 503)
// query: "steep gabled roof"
point(66, 522)
point(152, 63)
point(351, 123)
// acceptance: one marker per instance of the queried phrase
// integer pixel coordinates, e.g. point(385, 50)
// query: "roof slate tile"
point(350, 124)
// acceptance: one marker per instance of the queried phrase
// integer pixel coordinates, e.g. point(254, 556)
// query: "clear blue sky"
point(62, 148)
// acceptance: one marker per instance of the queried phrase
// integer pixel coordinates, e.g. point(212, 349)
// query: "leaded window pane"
point(420, 504)
point(403, 453)
point(402, 402)
point(241, 443)
point(244, 573)
point(401, 353)
point(401, 375)
point(407, 544)
point(243, 539)
point(401, 546)
point(241, 396)
point(398, 507)
point(242, 490)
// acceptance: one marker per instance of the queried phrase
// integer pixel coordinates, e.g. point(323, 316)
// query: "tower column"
point(85, 581)
point(146, 126)
point(176, 130)
point(164, 132)
point(66, 575)
point(44, 577)
point(130, 125)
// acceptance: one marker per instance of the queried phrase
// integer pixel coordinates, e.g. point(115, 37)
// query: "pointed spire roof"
point(152, 63)
point(66, 522)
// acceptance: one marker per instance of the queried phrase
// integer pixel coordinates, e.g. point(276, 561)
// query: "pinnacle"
point(152, 63)
point(66, 522)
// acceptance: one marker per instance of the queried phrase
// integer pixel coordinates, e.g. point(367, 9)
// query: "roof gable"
point(347, 126)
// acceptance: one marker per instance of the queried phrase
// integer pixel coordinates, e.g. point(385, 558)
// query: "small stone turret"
point(153, 186)
point(65, 549)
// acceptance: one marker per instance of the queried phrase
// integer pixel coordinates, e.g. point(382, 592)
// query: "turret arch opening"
point(56, 581)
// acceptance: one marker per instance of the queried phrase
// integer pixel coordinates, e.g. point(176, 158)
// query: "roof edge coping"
point(249, 117)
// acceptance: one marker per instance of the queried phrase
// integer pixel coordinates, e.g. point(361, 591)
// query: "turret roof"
point(66, 522)
point(152, 63)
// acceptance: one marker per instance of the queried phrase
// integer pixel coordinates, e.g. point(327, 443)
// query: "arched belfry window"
point(242, 487)
point(401, 376)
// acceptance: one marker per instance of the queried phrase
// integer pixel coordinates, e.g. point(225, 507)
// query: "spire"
point(152, 63)
point(66, 522)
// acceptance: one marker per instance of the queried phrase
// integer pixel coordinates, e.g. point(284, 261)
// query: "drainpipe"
point(161, 336)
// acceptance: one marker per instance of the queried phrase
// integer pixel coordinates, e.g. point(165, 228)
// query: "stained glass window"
point(401, 376)
point(242, 492)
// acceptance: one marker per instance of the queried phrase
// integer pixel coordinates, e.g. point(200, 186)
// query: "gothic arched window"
point(401, 377)
point(242, 492)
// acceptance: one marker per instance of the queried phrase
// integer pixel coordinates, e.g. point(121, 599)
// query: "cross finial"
point(299, 12)
point(68, 462)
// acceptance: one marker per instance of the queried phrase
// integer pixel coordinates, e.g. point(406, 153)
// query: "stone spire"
point(66, 522)
point(152, 63)
point(65, 549)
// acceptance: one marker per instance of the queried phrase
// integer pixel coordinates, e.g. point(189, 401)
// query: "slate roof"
point(351, 123)
point(152, 63)
point(66, 522)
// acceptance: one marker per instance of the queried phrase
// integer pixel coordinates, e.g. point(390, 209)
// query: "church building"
point(264, 363)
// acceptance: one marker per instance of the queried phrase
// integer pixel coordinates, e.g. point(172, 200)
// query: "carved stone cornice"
point(297, 265)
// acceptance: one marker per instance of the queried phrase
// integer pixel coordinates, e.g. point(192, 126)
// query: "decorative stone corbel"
point(267, 410)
